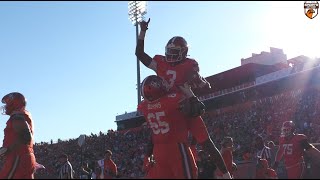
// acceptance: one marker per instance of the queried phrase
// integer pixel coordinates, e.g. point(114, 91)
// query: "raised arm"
point(141, 55)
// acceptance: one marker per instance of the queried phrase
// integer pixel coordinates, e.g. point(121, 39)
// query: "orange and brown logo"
point(311, 9)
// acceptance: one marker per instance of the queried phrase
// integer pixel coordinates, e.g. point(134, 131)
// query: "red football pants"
point(18, 167)
point(173, 161)
point(296, 171)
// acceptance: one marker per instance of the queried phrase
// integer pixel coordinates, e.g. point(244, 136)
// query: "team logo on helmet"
point(153, 88)
point(311, 9)
point(176, 49)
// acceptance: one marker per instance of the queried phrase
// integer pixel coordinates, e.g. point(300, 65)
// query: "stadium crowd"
point(243, 122)
point(264, 117)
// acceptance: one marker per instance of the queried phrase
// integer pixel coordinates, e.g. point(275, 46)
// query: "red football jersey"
point(10, 135)
point(109, 165)
point(168, 123)
point(292, 150)
point(175, 75)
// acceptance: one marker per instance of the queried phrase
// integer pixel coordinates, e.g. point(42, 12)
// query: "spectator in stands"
point(206, 167)
point(65, 170)
point(264, 172)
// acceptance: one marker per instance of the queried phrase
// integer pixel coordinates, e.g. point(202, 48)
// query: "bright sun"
point(288, 28)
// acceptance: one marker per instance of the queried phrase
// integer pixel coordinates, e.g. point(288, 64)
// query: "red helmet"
point(13, 102)
point(288, 128)
point(176, 49)
point(153, 88)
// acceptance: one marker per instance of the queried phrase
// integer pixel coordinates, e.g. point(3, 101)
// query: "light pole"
point(137, 10)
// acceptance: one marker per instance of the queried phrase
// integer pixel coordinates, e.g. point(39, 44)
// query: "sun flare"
point(288, 28)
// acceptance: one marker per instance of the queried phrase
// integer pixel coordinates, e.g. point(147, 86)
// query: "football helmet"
point(176, 49)
point(153, 88)
point(288, 128)
point(13, 102)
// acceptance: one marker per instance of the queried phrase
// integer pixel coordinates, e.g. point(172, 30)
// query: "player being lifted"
point(175, 68)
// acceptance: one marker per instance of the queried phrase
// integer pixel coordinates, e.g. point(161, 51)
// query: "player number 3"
point(173, 78)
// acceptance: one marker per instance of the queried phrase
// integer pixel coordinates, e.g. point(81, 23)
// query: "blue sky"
point(75, 62)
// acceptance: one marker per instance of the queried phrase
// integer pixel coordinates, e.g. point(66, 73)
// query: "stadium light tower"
point(137, 10)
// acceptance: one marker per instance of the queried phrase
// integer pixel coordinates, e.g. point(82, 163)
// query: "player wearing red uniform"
point(291, 148)
point(169, 118)
point(177, 71)
point(17, 145)
point(227, 154)
point(109, 167)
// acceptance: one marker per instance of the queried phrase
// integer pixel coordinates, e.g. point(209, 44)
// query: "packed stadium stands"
point(254, 102)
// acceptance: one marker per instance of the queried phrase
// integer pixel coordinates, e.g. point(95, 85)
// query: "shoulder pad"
point(192, 60)
point(18, 117)
point(301, 136)
point(159, 57)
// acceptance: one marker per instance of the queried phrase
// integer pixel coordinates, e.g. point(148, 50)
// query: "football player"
point(17, 146)
point(175, 68)
point(226, 151)
point(291, 148)
point(168, 116)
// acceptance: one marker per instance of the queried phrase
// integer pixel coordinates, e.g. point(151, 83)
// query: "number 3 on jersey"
point(173, 78)
point(157, 125)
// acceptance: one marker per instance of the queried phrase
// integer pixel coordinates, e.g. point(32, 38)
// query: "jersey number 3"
point(173, 78)
point(157, 125)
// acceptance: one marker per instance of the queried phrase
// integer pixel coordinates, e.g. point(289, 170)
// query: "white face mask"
point(3, 110)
